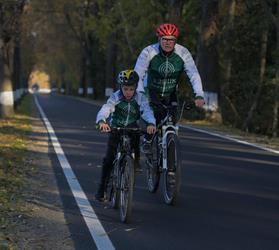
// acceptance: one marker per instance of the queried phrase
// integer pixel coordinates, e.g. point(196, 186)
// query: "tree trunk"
point(228, 50)
point(6, 86)
point(227, 57)
point(110, 63)
point(275, 109)
point(126, 30)
point(16, 75)
point(261, 81)
point(83, 72)
point(276, 96)
point(207, 48)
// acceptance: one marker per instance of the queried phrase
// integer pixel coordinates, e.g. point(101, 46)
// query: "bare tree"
point(207, 58)
point(126, 29)
point(276, 97)
point(254, 105)
point(269, 16)
point(227, 57)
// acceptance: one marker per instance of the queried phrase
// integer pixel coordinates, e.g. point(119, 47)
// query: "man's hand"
point(151, 129)
point(199, 102)
point(104, 127)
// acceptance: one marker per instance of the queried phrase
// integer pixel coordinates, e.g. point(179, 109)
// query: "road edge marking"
point(230, 138)
point(95, 227)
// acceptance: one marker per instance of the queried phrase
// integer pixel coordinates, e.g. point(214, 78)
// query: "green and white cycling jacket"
point(124, 112)
point(161, 73)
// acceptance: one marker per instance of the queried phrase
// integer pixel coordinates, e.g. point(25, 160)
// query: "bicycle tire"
point(152, 168)
point(114, 186)
point(172, 175)
point(127, 176)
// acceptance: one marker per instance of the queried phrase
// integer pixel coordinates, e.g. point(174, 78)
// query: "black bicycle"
point(164, 158)
point(121, 183)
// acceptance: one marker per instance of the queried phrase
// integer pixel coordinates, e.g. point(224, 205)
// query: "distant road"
point(229, 195)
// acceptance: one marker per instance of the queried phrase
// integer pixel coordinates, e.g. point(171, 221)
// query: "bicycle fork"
point(166, 132)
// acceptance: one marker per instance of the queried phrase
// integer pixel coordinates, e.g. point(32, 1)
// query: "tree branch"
point(70, 23)
point(271, 16)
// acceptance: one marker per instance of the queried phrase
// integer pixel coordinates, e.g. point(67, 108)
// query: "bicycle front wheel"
point(114, 186)
point(172, 175)
point(127, 176)
point(152, 168)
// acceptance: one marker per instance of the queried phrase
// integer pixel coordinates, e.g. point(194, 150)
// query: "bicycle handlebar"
point(125, 129)
point(186, 105)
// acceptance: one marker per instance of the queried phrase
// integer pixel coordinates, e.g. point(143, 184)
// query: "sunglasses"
point(171, 40)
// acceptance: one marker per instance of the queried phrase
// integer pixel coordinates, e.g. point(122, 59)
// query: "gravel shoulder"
point(42, 224)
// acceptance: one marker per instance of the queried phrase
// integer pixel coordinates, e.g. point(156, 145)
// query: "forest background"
point(81, 45)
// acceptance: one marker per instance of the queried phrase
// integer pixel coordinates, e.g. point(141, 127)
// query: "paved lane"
point(229, 197)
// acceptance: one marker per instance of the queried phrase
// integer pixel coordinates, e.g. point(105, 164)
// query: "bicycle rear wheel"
point(152, 168)
point(127, 176)
point(172, 175)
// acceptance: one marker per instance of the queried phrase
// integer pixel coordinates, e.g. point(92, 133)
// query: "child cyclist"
point(124, 107)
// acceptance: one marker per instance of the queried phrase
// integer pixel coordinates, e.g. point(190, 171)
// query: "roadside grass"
point(14, 165)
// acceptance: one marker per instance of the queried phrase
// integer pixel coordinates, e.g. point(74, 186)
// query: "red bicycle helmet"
point(167, 29)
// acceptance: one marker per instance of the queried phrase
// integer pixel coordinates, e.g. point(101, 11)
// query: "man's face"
point(128, 92)
point(167, 43)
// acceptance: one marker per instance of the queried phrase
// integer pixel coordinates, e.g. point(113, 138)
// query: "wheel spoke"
point(126, 190)
point(172, 173)
point(152, 173)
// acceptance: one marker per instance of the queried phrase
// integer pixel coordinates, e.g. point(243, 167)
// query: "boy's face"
point(128, 91)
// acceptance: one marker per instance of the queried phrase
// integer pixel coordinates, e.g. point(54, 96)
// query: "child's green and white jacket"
point(123, 112)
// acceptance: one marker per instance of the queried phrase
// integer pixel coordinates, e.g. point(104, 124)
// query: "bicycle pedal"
point(139, 170)
point(171, 173)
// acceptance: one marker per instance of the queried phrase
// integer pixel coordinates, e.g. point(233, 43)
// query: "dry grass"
point(14, 164)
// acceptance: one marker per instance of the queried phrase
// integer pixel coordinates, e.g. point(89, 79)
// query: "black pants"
point(157, 103)
point(112, 145)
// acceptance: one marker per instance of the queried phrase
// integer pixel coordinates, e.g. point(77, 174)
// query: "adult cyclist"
point(160, 66)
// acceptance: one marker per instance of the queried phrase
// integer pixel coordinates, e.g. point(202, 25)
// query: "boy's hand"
point(151, 129)
point(199, 102)
point(104, 127)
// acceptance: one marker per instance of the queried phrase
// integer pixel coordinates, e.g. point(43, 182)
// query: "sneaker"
point(100, 195)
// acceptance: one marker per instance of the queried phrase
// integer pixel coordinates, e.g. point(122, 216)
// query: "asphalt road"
point(229, 195)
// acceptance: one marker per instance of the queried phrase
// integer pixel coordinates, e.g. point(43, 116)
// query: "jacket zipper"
point(128, 116)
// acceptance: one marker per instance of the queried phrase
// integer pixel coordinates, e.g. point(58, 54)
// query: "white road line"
point(95, 227)
point(231, 139)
